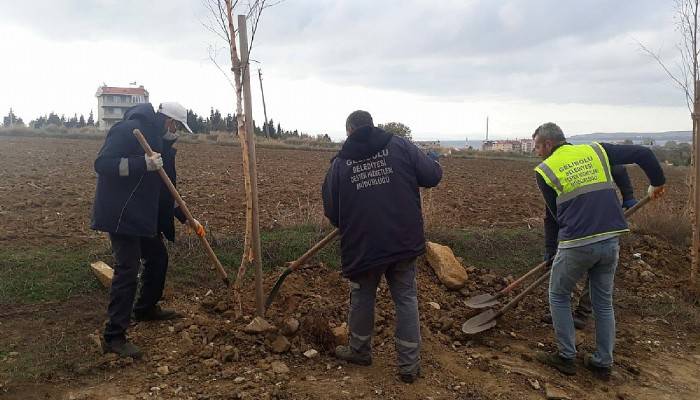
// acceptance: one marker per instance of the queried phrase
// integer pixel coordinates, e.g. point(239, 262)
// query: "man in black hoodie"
point(371, 193)
point(134, 206)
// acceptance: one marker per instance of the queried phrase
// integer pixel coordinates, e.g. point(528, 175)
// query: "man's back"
point(372, 194)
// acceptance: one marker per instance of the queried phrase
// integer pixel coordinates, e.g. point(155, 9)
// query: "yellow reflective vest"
point(588, 209)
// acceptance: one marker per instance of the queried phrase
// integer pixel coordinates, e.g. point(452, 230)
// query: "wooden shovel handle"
point(182, 205)
point(294, 265)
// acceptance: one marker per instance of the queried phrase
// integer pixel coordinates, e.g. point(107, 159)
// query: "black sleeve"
point(330, 194)
point(112, 159)
point(622, 180)
point(179, 214)
point(551, 227)
point(428, 171)
point(640, 155)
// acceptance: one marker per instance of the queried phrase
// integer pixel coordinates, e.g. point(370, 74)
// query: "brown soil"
point(657, 354)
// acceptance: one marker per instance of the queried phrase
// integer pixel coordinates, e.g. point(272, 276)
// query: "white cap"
point(175, 111)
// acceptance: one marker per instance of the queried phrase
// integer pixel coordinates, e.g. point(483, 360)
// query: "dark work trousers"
point(401, 278)
point(128, 252)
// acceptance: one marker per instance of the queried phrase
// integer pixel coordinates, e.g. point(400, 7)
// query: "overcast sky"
point(439, 66)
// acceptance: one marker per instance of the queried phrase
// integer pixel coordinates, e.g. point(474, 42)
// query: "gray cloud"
point(543, 50)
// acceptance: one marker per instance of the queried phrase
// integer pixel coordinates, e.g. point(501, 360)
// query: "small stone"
point(210, 362)
point(290, 326)
point(239, 379)
point(647, 276)
point(221, 306)
point(554, 393)
point(163, 370)
point(279, 367)
point(311, 354)
point(208, 303)
point(340, 333)
point(535, 384)
point(310, 378)
point(280, 345)
point(434, 305)
point(207, 352)
point(230, 353)
point(258, 325)
point(13, 354)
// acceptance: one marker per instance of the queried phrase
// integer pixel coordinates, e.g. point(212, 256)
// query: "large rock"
point(450, 272)
point(103, 272)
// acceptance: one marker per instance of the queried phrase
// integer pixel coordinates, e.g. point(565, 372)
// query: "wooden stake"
point(252, 165)
point(695, 246)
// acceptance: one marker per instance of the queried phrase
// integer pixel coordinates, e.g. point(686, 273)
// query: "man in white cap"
point(135, 208)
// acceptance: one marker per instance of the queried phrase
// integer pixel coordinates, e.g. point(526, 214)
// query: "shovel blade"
point(481, 322)
point(276, 287)
point(482, 301)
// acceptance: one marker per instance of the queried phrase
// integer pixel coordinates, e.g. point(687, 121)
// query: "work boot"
point(563, 365)
point(410, 378)
point(602, 373)
point(579, 320)
point(156, 313)
point(121, 347)
point(346, 353)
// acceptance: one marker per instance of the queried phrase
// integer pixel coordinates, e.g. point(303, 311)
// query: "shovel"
point(489, 300)
point(215, 260)
point(293, 266)
point(487, 319)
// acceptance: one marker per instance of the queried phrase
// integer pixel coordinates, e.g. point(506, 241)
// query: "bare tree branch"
point(683, 85)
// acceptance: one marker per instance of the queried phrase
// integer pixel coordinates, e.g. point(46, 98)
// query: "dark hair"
point(550, 131)
point(358, 119)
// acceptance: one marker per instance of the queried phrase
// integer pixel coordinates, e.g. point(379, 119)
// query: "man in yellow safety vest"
point(581, 200)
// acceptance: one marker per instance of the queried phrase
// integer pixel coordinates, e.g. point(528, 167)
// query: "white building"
point(112, 102)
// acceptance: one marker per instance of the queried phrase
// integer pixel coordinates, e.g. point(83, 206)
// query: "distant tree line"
point(674, 152)
point(214, 122)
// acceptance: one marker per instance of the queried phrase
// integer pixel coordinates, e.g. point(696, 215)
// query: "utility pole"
point(267, 128)
point(487, 128)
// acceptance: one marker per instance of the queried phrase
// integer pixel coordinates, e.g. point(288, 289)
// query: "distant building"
point(510, 146)
point(527, 145)
point(502, 145)
point(112, 102)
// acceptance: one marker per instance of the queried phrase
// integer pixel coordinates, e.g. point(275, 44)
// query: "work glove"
point(629, 203)
point(655, 192)
point(196, 227)
point(154, 162)
point(549, 257)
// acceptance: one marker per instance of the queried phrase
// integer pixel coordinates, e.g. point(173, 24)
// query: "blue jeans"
point(599, 260)
point(401, 278)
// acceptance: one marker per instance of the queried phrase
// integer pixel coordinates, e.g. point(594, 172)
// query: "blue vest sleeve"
point(551, 227)
point(622, 180)
point(640, 155)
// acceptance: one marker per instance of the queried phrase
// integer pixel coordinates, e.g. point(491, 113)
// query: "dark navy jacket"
point(130, 200)
point(371, 194)
point(618, 155)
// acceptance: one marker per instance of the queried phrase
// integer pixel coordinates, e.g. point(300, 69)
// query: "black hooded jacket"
point(371, 194)
point(130, 200)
